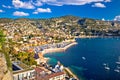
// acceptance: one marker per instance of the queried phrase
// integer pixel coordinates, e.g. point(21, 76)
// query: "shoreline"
point(87, 36)
point(71, 73)
point(97, 37)
point(45, 51)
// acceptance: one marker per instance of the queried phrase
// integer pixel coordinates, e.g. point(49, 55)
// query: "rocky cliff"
point(5, 73)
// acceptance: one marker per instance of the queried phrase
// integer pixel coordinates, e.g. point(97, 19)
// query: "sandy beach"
point(87, 36)
point(58, 49)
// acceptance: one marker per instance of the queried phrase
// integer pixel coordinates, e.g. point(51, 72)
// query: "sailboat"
point(118, 62)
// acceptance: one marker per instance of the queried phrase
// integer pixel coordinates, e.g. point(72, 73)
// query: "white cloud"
point(35, 12)
point(42, 10)
point(6, 6)
point(18, 13)
point(69, 2)
point(21, 4)
point(38, 3)
point(107, 0)
point(103, 19)
point(1, 11)
point(99, 5)
point(117, 18)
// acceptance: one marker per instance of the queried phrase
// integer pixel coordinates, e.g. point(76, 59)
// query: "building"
point(40, 74)
point(24, 75)
point(56, 76)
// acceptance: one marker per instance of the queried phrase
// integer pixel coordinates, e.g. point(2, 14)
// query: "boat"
point(118, 67)
point(118, 62)
point(106, 66)
point(83, 58)
point(117, 70)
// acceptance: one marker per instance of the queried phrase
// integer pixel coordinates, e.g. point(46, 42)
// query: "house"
point(56, 76)
point(24, 75)
point(40, 74)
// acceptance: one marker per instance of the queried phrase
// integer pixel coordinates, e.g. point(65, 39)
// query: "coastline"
point(45, 51)
point(97, 36)
point(71, 73)
point(87, 36)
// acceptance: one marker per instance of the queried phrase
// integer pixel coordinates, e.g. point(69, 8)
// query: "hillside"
point(33, 32)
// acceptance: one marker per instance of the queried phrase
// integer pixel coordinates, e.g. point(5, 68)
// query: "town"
point(25, 41)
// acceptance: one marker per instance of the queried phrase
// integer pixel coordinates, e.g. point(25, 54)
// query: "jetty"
point(70, 73)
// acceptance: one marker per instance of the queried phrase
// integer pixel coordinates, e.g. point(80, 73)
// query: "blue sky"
point(97, 9)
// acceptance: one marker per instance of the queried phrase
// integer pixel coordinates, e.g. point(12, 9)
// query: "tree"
point(4, 49)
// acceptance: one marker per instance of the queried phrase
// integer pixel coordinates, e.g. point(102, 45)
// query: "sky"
point(96, 9)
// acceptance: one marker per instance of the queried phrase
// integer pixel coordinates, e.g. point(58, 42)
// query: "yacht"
point(106, 66)
point(83, 58)
point(118, 62)
point(117, 70)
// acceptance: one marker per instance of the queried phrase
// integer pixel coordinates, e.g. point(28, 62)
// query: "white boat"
point(118, 67)
point(118, 62)
point(117, 70)
point(106, 66)
point(83, 58)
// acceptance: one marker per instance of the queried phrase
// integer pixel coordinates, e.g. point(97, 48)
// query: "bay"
point(88, 58)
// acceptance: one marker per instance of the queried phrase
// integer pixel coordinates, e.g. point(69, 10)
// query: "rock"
point(5, 73)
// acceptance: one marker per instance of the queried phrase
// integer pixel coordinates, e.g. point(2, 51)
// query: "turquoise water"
point(96, 52)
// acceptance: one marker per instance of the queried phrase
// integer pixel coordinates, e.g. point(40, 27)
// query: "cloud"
point(35, 12)
point(6, 6)
point(42, 10)
point(103, 19)
point(69, 2)
point(31, 4)
point(18, 13)
point(100, 5)
point(1, 11)
point(38, 3)
point(21, 4)
point(107, 0)
point(117, 18)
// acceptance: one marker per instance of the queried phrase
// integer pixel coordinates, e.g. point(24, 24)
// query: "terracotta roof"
point(38, 69)
point(54, 75)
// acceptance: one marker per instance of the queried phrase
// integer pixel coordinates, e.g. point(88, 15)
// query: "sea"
point(89, 58)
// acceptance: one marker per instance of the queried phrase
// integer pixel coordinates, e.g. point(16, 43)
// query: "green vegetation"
point(4, 49)
point(27, 58)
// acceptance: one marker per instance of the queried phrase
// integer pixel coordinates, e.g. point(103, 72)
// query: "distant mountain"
point(71, 25)
point(5, 20)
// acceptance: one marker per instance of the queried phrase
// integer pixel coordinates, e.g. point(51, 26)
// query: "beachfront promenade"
point(55, 47)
